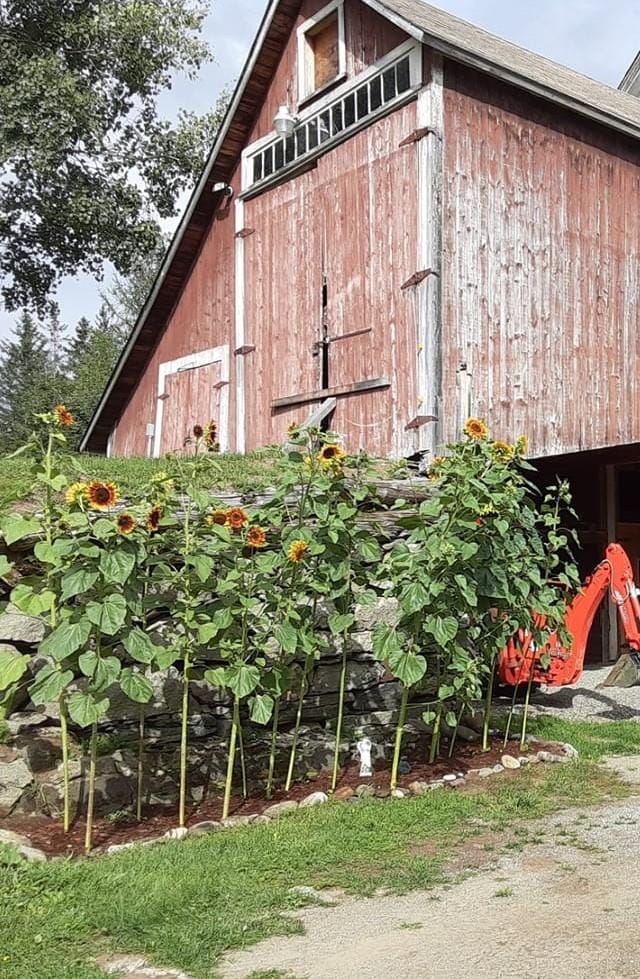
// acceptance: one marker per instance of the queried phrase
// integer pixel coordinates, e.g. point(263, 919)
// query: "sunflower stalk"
point(93, 752)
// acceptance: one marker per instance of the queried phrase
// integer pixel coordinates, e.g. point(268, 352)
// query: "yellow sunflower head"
point(475, 428)
point(502, 451)
point(153, 519)
point(102, 496)
point(256, 538)
point(63, 416)
point(297, 550)
point(522, 445)
point(218, 517)
point(126, 523)
point(76, 494)
point(236, 518)
point(434, 471)
point(331, 457)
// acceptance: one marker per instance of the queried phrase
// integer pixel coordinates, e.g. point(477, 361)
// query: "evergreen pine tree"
point(26, 382)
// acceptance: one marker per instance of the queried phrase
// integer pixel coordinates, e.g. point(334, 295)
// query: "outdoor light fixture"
point(284, 123)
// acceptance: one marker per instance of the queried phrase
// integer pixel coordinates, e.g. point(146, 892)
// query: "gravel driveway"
point(564, 908)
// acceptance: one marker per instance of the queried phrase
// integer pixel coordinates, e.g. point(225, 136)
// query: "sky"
point(596, 37)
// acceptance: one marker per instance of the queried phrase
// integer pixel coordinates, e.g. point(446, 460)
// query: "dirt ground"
point(564, 907)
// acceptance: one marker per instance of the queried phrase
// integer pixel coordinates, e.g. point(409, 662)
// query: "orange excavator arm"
point(566, 661)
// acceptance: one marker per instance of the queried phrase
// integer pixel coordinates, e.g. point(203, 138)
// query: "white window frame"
point(306, 86)
point(410, 47)
point(203, 358)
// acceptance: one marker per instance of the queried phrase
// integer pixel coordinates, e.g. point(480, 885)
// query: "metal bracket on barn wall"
point(425, 284)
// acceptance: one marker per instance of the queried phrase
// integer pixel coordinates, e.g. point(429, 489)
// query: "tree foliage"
point(87, 163)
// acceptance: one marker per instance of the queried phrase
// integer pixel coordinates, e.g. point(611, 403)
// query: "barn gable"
point(221, 293)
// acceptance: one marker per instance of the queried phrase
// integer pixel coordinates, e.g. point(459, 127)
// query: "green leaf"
point(103, 670)
point(87, 662)
point(139, 646)
point(370, 549)
point(5, 565)
point(166, 657)
point(116, 566)
point(445, 691)
point(385, 642)
point(242, 679)
point(286, 637)
point(109, 615)
point(49, 684)
point(203, 566)
point(428, 716)
point(15, 527)
point(78, 582)
point(451, 719)
point(414, 598)
point(261, 708)
point(136, 686)
point(32, 602)
point(85, 709)
point(444, 631)
point(66, 639)
point(340, 623)
point(217, 677)
point(408, 667)
point(13, 666)
point(47, 553)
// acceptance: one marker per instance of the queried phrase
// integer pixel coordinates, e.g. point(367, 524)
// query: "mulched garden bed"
point(47, 835)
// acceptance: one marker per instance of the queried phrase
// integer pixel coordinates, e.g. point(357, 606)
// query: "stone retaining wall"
point(30, 770)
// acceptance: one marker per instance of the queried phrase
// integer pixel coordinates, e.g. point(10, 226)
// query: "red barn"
point(404, 220)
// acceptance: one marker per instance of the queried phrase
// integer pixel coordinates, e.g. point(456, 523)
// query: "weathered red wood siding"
point(353, 217)
point(203, 318)
point(541, 269)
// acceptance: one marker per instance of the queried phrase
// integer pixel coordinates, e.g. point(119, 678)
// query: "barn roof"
point(455, 38)
point(631, 81)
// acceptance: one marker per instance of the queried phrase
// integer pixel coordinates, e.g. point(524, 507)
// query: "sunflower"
point(210, 435)
point(102, 496)
point(475, 428)
point(126, 523)
point(434, 469)
point(236, 518)
point(76, 493)
point(218, 517)
point(153, 518)
point(63, 416)
point(256, 537)
point(522, 444)
point(331, 453)
point(198, 431)
point(502, 451)
point(293, 429)
point(297, 550)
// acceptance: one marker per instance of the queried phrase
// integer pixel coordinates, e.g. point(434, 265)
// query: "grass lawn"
point(184, 904)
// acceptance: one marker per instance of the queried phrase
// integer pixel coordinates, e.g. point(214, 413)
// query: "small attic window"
point(321, 50)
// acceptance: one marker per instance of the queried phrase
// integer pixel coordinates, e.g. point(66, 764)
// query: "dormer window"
point(321, 50)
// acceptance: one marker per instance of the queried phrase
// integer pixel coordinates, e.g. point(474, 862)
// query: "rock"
point(458, 783)
point(260, 820)
point(386, 611)
point(315, 799)
point(508, 761)
point(326, 676)
point(524, 760)
point(570, 751)
point(382, 792)
point(232, 821)
point(310, 894)
point(498, 768)
point(280, 809)
point(450, 777)
point(551, 758)
point(16, 839)
point(399, 794)
point(533, 760)
point(344, 792)
point(15, 777)
point(485, 772)
point(15, 626)
point(365, 791)
point(32, 854)
point(404, 767)
point(419, 787)
point(205, 827)
point(177, 833)
point(118, 848)
point(21, 723)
